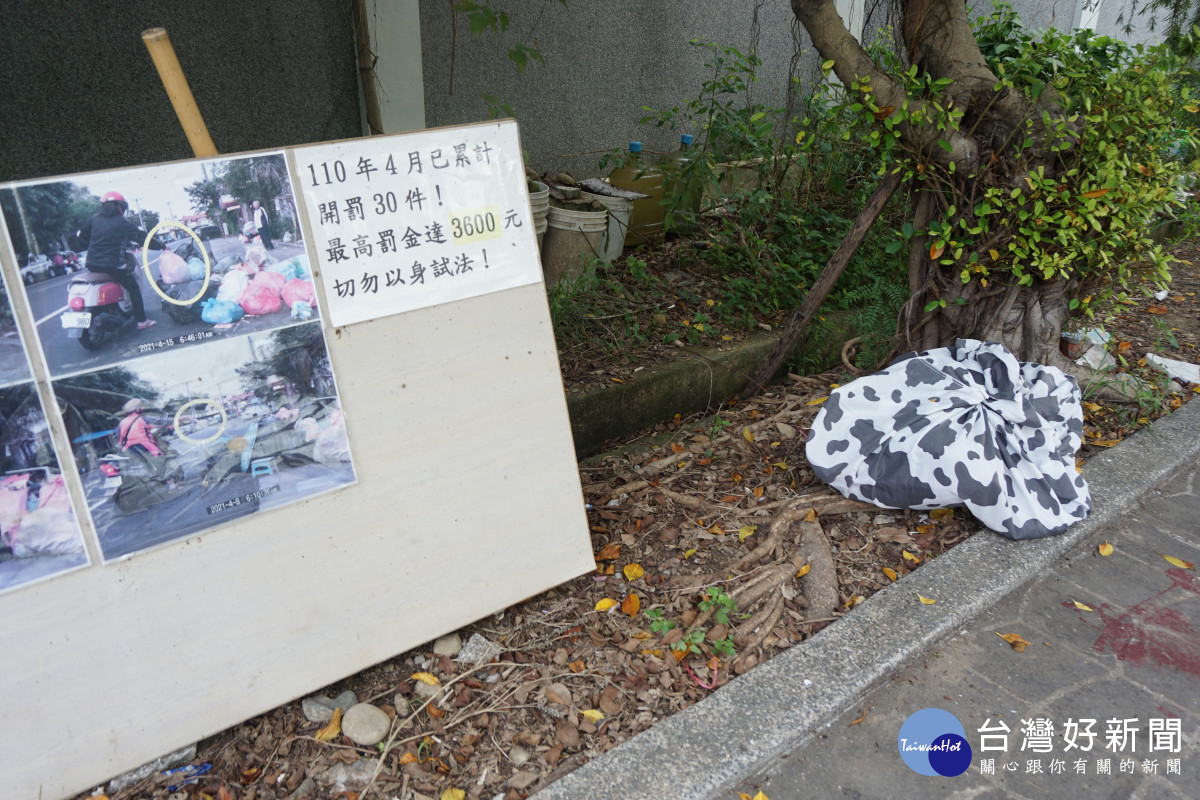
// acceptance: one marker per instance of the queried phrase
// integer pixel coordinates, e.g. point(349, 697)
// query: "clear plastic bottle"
point(681, 192)
point(646, 222)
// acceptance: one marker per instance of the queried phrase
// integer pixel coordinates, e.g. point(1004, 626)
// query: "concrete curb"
point(703, 751)
point(703, 380)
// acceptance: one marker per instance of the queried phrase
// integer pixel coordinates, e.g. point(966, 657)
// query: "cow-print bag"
point(968, 425)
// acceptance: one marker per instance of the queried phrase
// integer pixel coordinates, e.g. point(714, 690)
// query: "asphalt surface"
point(1131, 663)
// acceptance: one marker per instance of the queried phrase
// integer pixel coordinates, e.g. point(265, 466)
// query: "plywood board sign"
point(279, 483)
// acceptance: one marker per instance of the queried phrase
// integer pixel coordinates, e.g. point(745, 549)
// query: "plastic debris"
point(968, 425)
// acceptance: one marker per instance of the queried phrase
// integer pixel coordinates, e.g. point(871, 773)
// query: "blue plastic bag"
point(301, 310)
point(220, 312)
point(196, 268)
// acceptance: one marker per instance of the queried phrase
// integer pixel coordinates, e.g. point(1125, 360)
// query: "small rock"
point(351, 776)
point(518, 755)
point(319, 708)
point(307, 788)
point(479, 649)
point(366, 724)
point(425, 690)
point(401, 704)
point(448, 645)
point(884, 519)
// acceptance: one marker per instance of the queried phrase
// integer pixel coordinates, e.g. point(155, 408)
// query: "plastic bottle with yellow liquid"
point(681, 192)
point(637, 175)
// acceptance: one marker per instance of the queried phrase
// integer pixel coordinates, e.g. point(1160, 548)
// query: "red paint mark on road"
point(1149, 635)
point(1169, 712)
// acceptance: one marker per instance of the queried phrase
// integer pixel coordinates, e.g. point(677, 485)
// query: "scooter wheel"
point(93, 338)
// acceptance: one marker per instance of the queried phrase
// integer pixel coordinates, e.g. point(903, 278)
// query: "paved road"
point(48, 300)
point(1131, 664)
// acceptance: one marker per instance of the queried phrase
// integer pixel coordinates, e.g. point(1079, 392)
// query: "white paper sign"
point(418, 219)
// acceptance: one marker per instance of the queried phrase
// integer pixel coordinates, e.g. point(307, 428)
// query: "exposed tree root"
point(848, 350)
point(820, 584)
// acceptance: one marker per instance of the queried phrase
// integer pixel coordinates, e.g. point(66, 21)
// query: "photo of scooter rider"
point(192, 281)
point(107, 236)
point(168, 447)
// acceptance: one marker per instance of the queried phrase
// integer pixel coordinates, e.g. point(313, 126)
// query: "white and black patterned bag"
point(968, 425)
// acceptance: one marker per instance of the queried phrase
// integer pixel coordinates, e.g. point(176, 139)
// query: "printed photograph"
point(175, 443)
point(39, 536)
point(226, 258)
point(14, 365)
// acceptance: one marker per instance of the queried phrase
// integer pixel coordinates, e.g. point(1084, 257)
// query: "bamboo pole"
point(180, 94)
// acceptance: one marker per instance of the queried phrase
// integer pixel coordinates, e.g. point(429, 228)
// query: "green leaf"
point(942, 143)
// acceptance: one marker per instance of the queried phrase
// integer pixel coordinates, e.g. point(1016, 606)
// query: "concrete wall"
point(604, 61)
point(78, 90)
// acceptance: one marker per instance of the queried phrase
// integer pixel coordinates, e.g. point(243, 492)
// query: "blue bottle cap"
point(635, 147)
point(686, 140)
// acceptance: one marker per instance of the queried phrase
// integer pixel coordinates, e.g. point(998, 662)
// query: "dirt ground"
point(700, 528)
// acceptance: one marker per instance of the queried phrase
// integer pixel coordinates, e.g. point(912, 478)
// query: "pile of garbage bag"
point(254, 285)
point(967, 425)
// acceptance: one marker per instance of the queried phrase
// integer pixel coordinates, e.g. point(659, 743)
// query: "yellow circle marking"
point(208, 401)
point(170, 223)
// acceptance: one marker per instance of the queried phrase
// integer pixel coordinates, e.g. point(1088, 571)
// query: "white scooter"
point(98, 306)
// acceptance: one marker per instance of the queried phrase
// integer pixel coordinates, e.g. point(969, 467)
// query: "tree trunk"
point(938, 40)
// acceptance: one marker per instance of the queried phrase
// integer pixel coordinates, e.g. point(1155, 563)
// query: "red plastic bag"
point(272, 279)
point(259, 299)
point(172, 268)
point(297, 290)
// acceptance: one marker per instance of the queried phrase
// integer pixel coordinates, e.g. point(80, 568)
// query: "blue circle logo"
point(933, 742)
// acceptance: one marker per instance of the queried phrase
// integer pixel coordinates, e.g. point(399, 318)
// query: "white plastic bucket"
point(539, 201)
point(619, 212)
point(571, 238)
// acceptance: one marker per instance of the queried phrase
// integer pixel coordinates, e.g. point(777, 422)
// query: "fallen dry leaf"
point(800, 573)
point(941, 513)
point(454, 794)
point(1106, 549)
point(1014, 640)
point(861, 717)
point(593, 715)
point(609, 552)
point(605, 604)
point(633, 572)
point(427, 678)
point(1156, 310)
point(816, 401)
point(1082, 606)
point(910, 557)
point(926, 600)
point(632, 604)
point(1178, 562)
point(577, 666)
point(748, 435)
point(811, 516)
point(332, 730)
point(891, 573)
point(409, 757)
